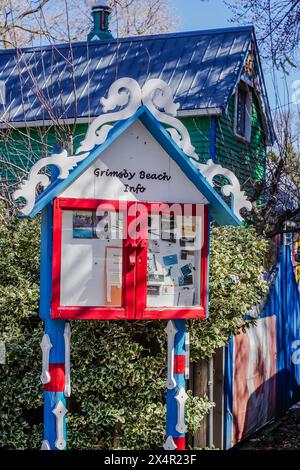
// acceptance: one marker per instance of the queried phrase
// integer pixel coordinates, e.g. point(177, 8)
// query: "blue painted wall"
point(284, 302)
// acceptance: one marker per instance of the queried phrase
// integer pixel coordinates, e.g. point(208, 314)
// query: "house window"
point(243, 112)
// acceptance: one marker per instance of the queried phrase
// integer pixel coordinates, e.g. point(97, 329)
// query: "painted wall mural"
point(254, 388)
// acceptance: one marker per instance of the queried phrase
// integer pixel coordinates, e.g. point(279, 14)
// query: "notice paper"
point(113, 260)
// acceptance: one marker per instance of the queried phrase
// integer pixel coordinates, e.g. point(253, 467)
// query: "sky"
point(197, 14)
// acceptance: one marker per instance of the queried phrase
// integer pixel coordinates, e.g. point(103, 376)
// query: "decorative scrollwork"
point(28, 187)
point(156, 95)
point(123, 92)
point(126, 93)
point(210, 169)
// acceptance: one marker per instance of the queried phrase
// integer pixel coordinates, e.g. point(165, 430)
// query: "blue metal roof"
point(201, 67)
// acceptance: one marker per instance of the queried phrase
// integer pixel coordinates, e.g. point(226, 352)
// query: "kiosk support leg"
point(55, 378)
point(55, 345)
point(176, 394)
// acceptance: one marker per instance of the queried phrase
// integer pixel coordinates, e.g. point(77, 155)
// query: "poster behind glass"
point(91, 265)
point(174, 254)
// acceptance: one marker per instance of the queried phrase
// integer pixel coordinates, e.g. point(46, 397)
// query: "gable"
point(151, 111)
point(135, 167)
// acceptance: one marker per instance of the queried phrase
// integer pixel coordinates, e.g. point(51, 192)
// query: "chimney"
point(101, 13)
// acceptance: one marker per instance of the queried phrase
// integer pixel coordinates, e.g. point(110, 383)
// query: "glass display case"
point(116, 259)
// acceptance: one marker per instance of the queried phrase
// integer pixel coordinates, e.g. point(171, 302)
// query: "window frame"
point(134, 299)
point(248, 112)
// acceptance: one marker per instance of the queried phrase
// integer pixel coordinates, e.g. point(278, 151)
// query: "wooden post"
point(55, 348)
point(200, 389)
point(176, 394)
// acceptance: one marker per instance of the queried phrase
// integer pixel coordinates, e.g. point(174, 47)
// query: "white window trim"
point(248, 120)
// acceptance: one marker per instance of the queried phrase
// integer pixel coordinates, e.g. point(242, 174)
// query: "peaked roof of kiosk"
point(202, 69)
point(220, 211)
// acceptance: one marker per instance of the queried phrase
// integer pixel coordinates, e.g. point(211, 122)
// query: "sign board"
point(130, 237)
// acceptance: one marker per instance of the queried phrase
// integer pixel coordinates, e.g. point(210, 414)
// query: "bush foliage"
point(118, 368)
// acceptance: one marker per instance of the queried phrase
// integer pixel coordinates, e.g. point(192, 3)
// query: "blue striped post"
point(56, 338)
point(176, 385)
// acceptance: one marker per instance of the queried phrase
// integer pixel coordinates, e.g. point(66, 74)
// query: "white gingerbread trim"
point(59, 412)
point(210, 169)
point(45, 347)
point(123, 92)
point(126, 93)
point(181, 397)
point(156, 95)
point(170, 331)
point(45, 445)
point(28, 187)
point(169, 444)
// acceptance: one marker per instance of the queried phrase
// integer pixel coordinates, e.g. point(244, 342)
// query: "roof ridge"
point(129, 39)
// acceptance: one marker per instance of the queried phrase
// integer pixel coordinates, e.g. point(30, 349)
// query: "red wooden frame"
point(134, 275)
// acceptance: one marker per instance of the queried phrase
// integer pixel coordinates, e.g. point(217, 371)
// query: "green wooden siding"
point(21, 148)
point(246, 159)
point(199, 130)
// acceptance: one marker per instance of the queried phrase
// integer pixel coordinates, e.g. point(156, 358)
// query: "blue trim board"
point(208, 263)
point(228, 394)
point(55, 329)
point(179, 340)
point(218, 208)
point(46, 262)
point(171, 403)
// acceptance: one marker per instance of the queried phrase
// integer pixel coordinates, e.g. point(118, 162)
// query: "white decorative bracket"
point(210, 169)
point(126, 93)
point(171, 331)
point(28, 187)
point(45, 347)
point(187, 356)
point(45, 445)
point(59, 411)
point(169, 444)
point(181, 398)
point(67, 338)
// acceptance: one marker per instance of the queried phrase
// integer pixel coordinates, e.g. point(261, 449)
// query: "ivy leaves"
point(235, 286)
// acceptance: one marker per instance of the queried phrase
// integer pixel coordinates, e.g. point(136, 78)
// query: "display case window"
point(174, 261)
point(128, 261)
point(91, 261)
